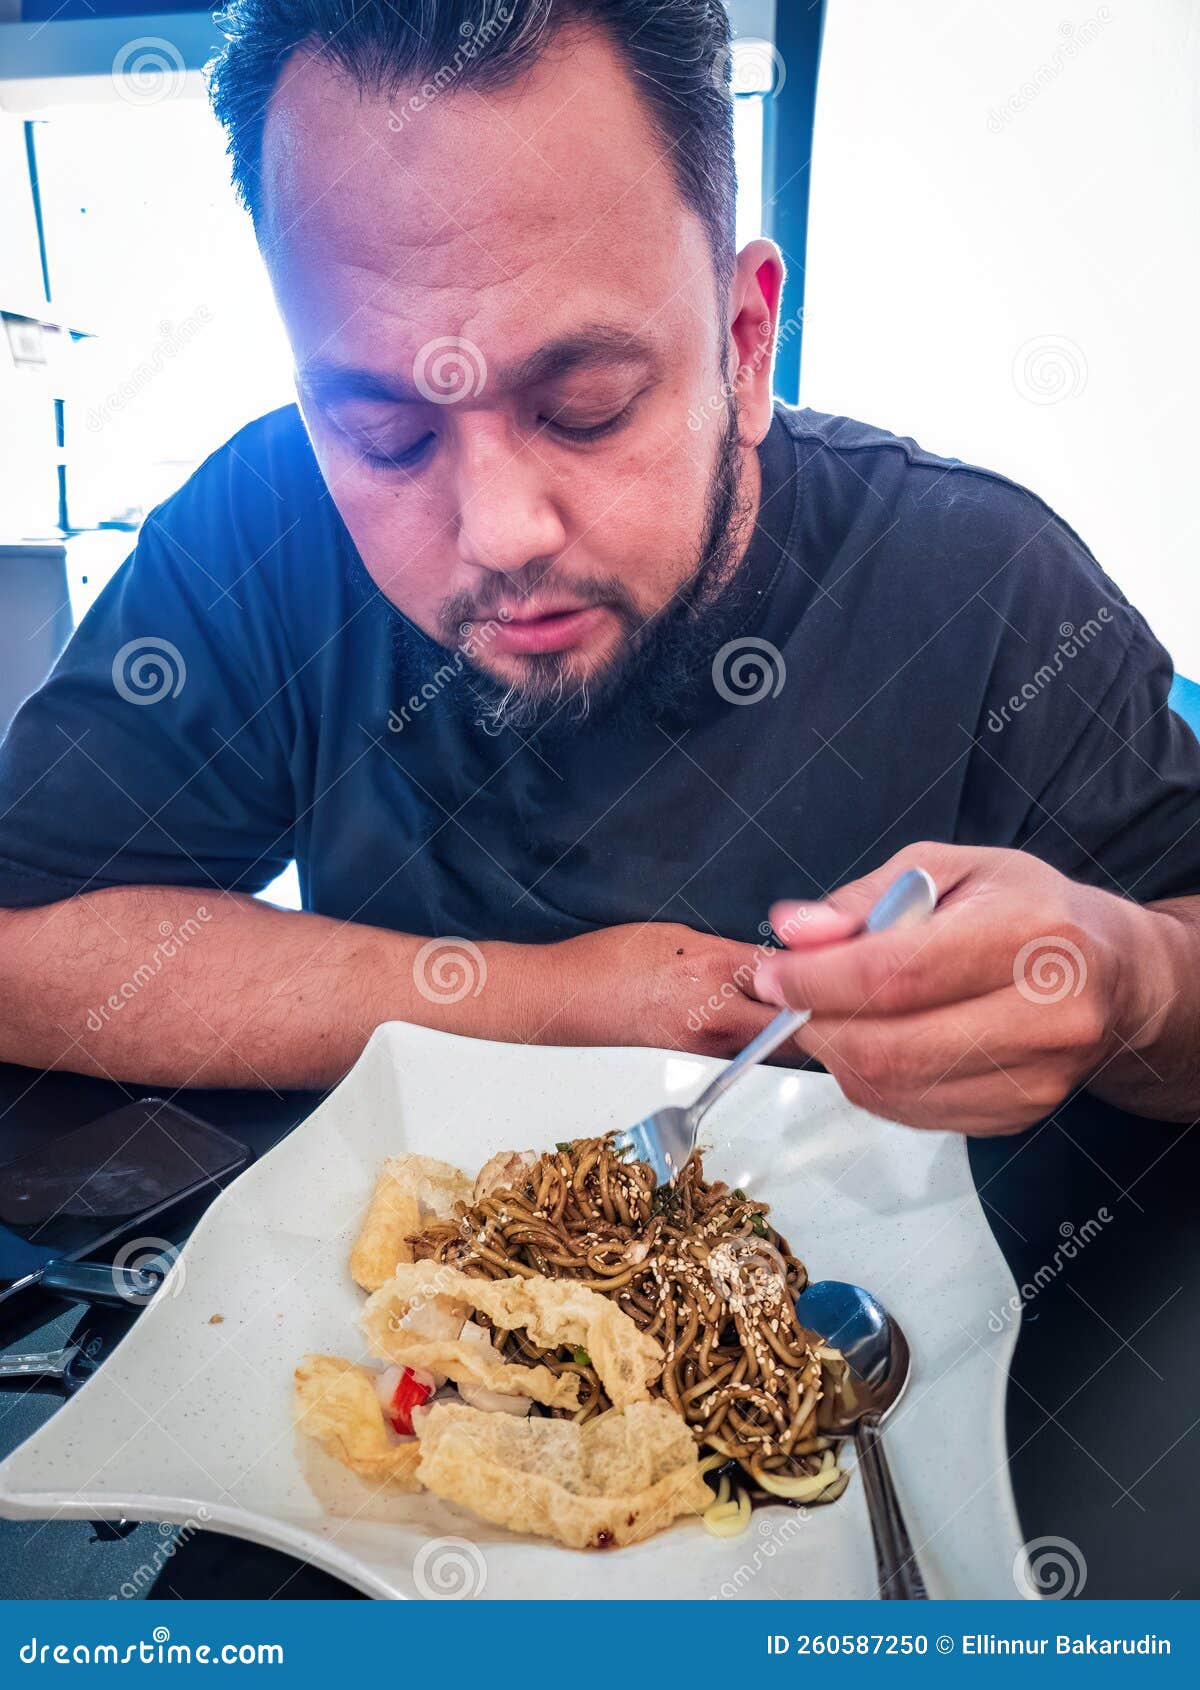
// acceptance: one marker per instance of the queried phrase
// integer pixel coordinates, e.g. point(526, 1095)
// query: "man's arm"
point(172, 986)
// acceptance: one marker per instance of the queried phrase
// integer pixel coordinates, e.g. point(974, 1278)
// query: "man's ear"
point(755, 293)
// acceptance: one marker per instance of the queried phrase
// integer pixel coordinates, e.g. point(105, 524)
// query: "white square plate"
point(190, 1419)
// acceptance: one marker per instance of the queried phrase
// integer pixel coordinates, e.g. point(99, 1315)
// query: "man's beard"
point(654, 674)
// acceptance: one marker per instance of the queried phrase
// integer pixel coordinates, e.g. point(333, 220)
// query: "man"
point(554, 652)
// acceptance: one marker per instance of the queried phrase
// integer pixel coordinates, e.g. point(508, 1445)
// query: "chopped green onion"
point(563, 1144)
point(740, 1194)
point(580, 1356)
point(759, 1225)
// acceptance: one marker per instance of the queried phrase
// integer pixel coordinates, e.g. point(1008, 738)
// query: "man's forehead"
point(464, 188)
point(593, 345)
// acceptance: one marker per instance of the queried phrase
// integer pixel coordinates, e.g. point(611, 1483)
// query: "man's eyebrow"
point(328, 383)
point(592, 345)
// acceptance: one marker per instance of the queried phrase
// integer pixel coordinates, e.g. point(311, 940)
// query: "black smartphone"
point(81, 1191)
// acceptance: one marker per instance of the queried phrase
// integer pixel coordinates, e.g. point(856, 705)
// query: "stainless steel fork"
point(667, 1138)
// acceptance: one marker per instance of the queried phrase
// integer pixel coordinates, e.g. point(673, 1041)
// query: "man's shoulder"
point(269, 463)
point(882, 464)
point(260, 493)
point(885, 505)
point(252, 549)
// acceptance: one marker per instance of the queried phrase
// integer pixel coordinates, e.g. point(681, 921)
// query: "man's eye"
point(561, 424)
point(381, 453)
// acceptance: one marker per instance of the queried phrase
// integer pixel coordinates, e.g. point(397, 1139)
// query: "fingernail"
point(796, 920)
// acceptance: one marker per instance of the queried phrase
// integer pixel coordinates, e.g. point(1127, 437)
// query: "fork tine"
point(642, 1144)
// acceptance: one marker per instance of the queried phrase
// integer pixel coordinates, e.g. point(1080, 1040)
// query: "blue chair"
point(1184, 700)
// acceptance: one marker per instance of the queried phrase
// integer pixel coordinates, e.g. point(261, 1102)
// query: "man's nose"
point(505, 514)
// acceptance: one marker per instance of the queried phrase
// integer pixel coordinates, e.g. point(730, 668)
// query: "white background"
point(1004, 259)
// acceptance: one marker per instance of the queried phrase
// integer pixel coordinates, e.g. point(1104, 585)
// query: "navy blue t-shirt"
point(925, 652)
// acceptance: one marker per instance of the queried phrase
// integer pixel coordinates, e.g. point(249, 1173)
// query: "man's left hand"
point(1020, 987)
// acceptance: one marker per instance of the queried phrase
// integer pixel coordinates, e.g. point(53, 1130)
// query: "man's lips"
point(540, 628)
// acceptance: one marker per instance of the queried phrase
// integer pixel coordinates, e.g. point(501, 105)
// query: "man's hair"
point(677, 53)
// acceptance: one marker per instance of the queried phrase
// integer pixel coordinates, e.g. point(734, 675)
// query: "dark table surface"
point(1095, 1211)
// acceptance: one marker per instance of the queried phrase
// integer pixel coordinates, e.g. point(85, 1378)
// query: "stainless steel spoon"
point(66, 1369)
point(856, 1323)
point(667, 1138)
point(69, 1368)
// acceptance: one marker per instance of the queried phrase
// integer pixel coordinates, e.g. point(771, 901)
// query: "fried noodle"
point(699, 1268)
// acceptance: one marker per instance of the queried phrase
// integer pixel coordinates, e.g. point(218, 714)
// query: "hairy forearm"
point(171, 986)
point(1154, 1067)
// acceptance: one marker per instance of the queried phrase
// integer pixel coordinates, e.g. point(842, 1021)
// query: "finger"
point(805, 925)
point(982, 1106)
point(961, 952)
point(800, 925)
point(904, 1052)
point(998, 1061)
point(996, 1033)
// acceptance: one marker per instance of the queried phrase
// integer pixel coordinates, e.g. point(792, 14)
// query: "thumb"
point(801, 926)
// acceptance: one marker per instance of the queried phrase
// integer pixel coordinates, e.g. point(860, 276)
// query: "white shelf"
point(72, 58)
